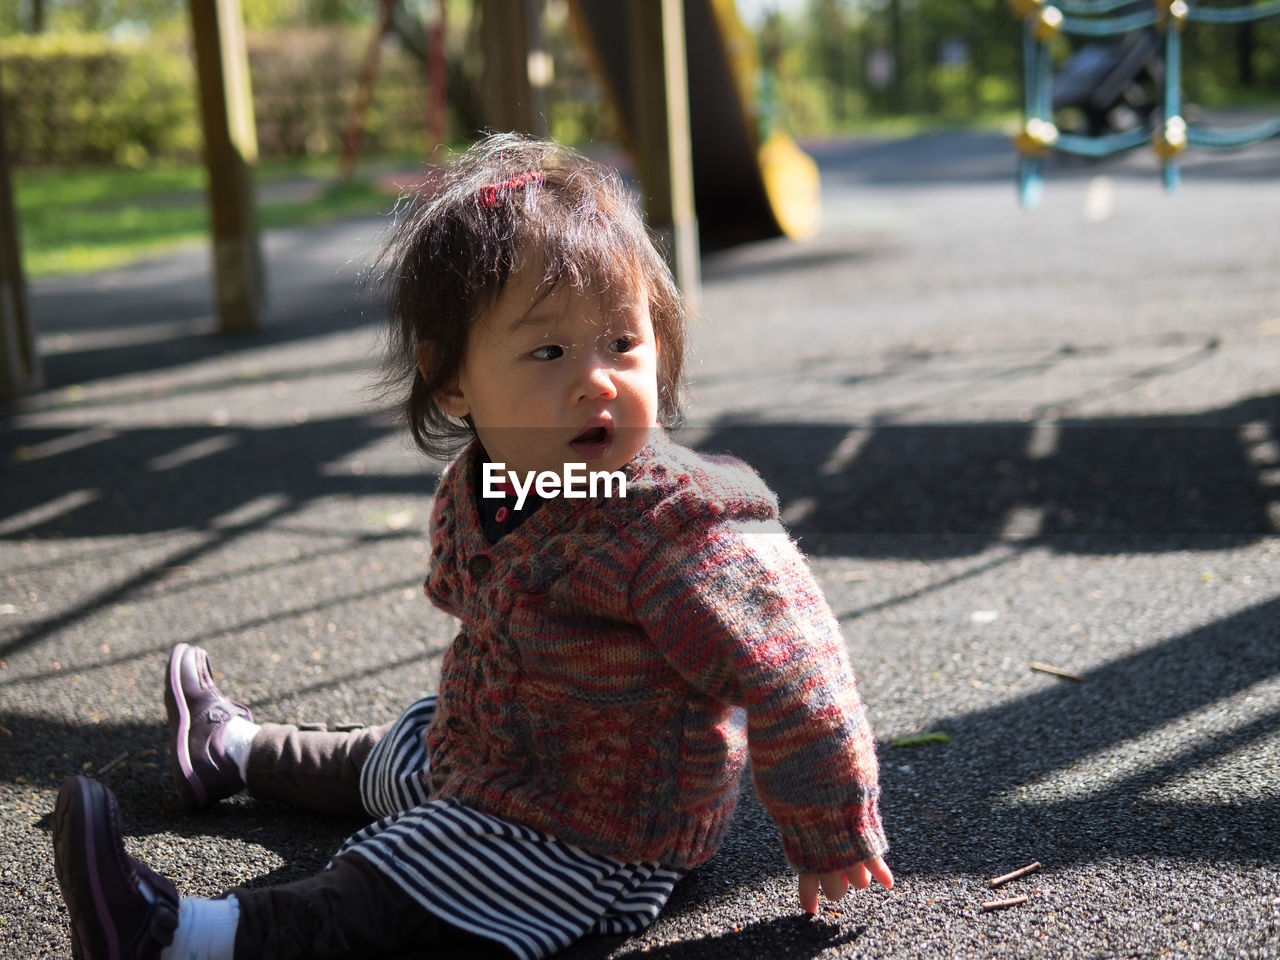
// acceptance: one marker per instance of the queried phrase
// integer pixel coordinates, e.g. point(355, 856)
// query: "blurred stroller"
point(1115, 86)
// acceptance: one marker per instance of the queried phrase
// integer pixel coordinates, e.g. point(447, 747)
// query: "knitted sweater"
point(619, 656)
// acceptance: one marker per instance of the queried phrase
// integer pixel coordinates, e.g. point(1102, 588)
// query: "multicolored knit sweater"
point(607, 647)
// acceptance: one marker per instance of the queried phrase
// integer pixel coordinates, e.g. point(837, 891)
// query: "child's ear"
point(452, 400)
point(449, 398)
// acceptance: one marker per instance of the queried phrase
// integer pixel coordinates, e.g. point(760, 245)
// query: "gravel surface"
point(1002, 437)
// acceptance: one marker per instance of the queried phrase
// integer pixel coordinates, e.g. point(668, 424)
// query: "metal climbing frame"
point(1169, 134)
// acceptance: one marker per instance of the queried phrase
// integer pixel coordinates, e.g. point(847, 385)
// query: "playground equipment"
point(19, 362)
point(751, 184)
point(231, 151)
point(1151, 41)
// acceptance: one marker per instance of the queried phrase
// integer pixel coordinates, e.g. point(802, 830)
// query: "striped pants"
point(351, 909)
point(426, 872)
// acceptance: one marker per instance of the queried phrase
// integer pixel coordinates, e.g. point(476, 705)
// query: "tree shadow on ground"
point(1146, 478)
point(791, 936)
point(1144, 484)
point(160, 314)
point(970, 806)
point(134, 482)
point(1014, 782)
point(1085, 769)
point(155, 479)
point(975, 807)
point(132, 759)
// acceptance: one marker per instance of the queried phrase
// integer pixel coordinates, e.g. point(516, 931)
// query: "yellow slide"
point(744, 189)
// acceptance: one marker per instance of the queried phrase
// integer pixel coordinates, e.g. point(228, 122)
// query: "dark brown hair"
point(506, 202)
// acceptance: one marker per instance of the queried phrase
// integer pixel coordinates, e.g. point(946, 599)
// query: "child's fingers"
point(809, 892)
point(859, 877)
point(834, 885)
point(877, 868)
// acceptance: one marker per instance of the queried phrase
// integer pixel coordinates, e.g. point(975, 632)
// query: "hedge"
point(88, 99)
point(72, 99)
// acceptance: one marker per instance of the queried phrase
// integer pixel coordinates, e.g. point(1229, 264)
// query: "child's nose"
point(595, 380)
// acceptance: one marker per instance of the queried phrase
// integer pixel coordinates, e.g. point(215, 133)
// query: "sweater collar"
point(556, 514)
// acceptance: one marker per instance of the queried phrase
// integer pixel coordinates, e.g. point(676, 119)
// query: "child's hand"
point(836, 883)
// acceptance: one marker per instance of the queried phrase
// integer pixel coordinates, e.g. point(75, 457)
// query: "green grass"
point(81, 220)
point(915, 124)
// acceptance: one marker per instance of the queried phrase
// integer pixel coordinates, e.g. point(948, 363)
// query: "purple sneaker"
point(118, 906)
point(203, 771)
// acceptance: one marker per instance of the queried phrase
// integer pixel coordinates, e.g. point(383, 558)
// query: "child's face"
point(561, 378)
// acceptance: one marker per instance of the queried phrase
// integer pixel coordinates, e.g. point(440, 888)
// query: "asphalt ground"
point(1002, 437)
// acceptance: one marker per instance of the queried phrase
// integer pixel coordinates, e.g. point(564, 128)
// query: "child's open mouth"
point(592, 442)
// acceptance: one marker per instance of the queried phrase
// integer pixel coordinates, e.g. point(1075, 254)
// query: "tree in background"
point(845, 61)
point(96, 16)
point(85, 16)
point(110, 81)
point(833, 65)
point(840, 63)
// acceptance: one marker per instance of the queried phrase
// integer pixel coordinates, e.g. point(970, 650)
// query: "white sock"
point(237, 738)
point(206, 930)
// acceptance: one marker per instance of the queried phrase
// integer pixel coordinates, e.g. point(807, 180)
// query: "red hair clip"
point(490, 193)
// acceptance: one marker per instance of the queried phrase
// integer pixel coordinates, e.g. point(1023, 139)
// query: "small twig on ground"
point(111, 763)
point(1003, 904)
point(921, 740)
point(1015, 875)
point(1056, 671)
point(850, 576)
point(143, 754)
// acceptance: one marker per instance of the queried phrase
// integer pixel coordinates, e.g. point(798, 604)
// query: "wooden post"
point(660, 109)
point(231, 150)
point(507, 32)
point(538, 74)
point(437, 79)
point(19, 363)
point(354, 135)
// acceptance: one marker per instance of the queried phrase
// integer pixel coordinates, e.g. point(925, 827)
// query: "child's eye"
point(624, 344)
point(548, 352)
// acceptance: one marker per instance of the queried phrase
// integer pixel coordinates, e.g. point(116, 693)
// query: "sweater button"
point(460, 644)
point(479, 565)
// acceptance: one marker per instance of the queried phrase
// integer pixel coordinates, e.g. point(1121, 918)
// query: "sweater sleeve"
point(738, 613)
